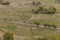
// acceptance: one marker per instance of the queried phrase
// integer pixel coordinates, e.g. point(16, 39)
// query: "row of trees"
point(47, 25)
point(50, 26)
point(42, 10)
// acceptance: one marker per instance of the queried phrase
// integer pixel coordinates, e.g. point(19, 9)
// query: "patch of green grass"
point(10, 26)
point(42, 21)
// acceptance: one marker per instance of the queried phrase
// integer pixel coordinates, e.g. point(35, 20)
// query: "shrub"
point(50, 10)
point(36, 3)
point(41, 9)
point(36, 23)
point(45, 25)
point(8, 36)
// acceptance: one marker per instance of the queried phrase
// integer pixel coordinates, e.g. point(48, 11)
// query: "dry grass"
point(21, 10)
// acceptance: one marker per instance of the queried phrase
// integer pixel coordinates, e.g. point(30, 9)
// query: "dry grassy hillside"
point(18, 15)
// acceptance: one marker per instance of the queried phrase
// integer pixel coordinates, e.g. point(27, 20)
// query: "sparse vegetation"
point(30, 19)
point(50, 10)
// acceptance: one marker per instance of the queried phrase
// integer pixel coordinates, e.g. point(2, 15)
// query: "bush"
point(50, 10)
point(36, 23)
point(8, 36)
point(41, 9)
point(36, 3)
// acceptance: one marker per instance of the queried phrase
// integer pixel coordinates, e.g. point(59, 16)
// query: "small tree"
point(50, 10)
point(8, 36)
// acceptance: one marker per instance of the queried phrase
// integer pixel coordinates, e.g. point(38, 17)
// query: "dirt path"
point(22, 23)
